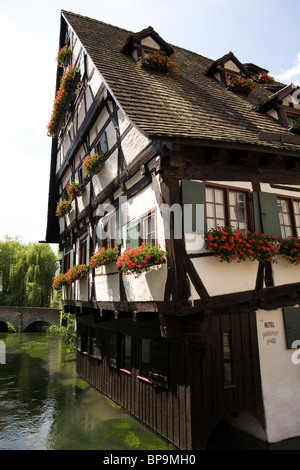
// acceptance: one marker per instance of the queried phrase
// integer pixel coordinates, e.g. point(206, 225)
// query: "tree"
point(26, 273)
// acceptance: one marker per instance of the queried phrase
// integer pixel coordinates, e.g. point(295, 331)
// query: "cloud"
point(292, 74)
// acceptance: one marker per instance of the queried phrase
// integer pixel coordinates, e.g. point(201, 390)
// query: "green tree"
point(26, 273)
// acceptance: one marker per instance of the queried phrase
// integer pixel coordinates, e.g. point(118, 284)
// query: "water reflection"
point(45, 405)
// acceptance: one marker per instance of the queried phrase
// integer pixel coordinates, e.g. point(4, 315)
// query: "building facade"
point(155, 178)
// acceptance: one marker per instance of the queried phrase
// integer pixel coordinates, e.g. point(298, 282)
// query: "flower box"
point(63, 56)
point(290, 249)
point(59, 280)
point(63, 208)
point(158, 62)
point(92, 164)
point(228, 244)
point(240, 85)
point(104, 256)
point(74, 190)
point(264, 78)
point(141, 258)
point(77, 272)
point(64, 97)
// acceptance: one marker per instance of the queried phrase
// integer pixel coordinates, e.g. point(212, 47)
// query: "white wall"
point(280, 377)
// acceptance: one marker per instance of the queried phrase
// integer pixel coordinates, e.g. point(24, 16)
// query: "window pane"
point(145, 357)
point(126, 353)
point(238, 210)
point(285, 217)
point(219, 196)
point(209, 194)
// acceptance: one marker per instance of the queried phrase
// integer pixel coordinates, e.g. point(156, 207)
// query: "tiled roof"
point(188, 105)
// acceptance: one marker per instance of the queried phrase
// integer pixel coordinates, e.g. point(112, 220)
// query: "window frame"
point(284, 111)
point(227, 190)
point(140, 221)
point(156, 377)
point(108, 220)
point(82, 255)
point(291, 200)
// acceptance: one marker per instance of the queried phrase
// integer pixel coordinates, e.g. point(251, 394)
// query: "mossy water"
point(44, 405)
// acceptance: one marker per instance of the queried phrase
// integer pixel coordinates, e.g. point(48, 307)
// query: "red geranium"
point(136, 260)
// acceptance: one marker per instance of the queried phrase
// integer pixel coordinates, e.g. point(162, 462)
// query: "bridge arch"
point(34, 323)
point(21, 318)
point(3, 326)
point(4, 319)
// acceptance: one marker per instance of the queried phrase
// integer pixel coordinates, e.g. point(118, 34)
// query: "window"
point(226, 206)
point(125, 361)
point(66, 262)
point(107, 236)
point(102, 145)
point(154, 362)
point(113, 350)
point(82, 338)
point(148, 228)
point(289, 216)
point(120, 351)
point(83, 251)
point(142, 229)
point(96, 344)
point(227, 357)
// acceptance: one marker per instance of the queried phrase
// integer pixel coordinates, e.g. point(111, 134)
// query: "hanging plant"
point(136, 260)
point(264, 78)
point(158, 62)
point(228, 245)
point(290, 249)
point(64, 55)
point(59, 281)
point(63, 208)
point(79, 271)
point(73, 190)
point(240, 84)
point(104, 256)
point(92, 164)
point(68, 86)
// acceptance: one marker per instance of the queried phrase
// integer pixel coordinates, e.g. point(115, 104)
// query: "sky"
point(263, 32)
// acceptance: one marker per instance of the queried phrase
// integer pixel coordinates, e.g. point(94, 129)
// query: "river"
point(45, 405)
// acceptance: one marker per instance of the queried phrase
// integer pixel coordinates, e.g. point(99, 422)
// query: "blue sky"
point(264, 32)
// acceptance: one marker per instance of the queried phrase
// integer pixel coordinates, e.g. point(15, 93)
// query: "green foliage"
point(26, 273)
point(66, 330)
point(10, 327)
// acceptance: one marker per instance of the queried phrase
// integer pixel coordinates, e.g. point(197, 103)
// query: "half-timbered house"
point(208, 332)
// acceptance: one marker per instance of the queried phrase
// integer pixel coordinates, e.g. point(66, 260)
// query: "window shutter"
point(132, 238)
point(71, 258)
point(118, 226)
point(88, 249)
point(82, 65)
point(265, 213)
point(103, 143)
point(193, 206)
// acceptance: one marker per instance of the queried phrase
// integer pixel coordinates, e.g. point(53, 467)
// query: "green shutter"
point(265, 213)
point(132, 238)
point(193, 206)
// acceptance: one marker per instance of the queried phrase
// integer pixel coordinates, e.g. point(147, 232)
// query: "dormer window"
point(144, 43)
point(226, 67)
point(283, 107)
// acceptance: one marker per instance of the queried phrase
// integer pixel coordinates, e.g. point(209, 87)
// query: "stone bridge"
point(22, 318)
